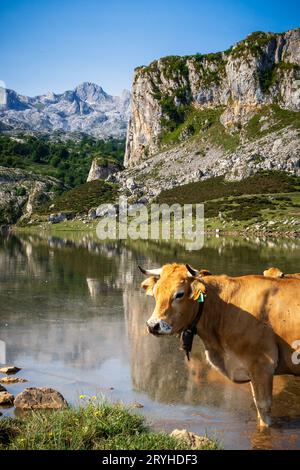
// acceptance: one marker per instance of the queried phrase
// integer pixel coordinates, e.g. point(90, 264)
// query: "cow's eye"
point(179, 295)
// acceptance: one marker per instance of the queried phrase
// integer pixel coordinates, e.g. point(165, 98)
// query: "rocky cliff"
point(228, 112)
point(21, 192)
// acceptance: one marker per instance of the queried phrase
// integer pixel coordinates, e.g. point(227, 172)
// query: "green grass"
point(205, 123)
point(92, 427)
point(79, 200)
point(245, 208)
point(264, 198)
point(215, 188)
point(276, 119)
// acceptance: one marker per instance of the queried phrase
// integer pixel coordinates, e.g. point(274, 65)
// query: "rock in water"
point(192, 440)
point(2, 389)
point(9, 370)
point(6, 399)
point(11, 380)
point(40, 398)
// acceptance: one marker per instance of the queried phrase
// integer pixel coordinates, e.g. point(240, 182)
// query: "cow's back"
point(275, 303)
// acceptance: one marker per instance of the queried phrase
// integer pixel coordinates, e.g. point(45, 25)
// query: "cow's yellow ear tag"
point(199, 296)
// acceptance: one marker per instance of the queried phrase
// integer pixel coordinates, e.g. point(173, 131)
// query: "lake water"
point(73, 317)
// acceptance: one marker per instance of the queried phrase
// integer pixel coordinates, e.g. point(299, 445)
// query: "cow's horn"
point(192, 271)
point(151, 272)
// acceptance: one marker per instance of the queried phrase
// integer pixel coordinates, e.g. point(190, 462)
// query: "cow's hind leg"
point(262, 387)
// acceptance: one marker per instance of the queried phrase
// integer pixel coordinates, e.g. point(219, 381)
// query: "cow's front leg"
point(262, 388)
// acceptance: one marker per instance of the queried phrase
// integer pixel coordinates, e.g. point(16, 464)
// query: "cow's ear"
point(148, 284)
point(197, 286)
point(205, 272)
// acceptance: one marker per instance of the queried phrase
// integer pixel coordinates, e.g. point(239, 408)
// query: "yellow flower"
point(82, 397)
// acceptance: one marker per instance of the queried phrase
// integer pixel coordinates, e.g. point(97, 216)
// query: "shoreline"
point(68, 226)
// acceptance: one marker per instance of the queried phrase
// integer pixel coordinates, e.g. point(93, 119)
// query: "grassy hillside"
point(206, 124)
point(268, 201)
point(80, 199)
point(214, 188)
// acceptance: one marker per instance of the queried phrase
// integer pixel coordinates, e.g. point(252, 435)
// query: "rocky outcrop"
point(260, 71)
point(102, 168)
point(40, 398)
point(21, 192)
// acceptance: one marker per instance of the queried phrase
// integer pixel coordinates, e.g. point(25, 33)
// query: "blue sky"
point(55, 45)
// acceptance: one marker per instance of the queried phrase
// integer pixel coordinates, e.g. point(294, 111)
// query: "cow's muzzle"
point(158, 327)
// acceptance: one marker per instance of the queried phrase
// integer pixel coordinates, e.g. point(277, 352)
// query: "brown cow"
point(249, 325)
point(275, 272)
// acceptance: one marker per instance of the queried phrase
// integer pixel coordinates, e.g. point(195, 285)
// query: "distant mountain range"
point(87, 109)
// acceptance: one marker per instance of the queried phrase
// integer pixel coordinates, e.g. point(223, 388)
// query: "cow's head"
point(174, 287)
point(273, 272)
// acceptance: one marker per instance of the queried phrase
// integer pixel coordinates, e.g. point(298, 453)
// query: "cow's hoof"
point(264, 423)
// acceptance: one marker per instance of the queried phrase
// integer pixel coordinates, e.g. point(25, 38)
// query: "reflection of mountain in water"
point(47, 306)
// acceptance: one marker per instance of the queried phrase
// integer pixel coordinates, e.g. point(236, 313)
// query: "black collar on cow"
point(187, 336)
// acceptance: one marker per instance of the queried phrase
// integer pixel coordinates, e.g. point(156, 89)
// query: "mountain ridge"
point(86, 109)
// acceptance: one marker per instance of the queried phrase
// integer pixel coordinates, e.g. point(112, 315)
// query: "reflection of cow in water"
point(160, 369)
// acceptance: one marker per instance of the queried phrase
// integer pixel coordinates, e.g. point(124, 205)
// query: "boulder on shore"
point(33, 398)
point(191, 439)
point(6, 399)
point(11, 380)
point(9, 370)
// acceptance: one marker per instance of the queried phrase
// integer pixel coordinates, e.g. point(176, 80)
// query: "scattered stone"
point(6, 399)
point(56, 218)
point(137, 405)
point(9, 370)
point(40, 398)
point(12, 380)
point(191, 439)
point(107, 210)
point(92, 214)
point(2, 389)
